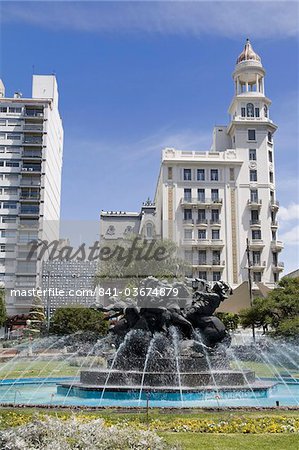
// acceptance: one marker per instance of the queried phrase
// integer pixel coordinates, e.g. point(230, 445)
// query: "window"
point(215, 195)
point(14, 136)
point(215, 216)
point(188, 234)
point(10, 190)
point(3, 109)
point(187, 195)
point(9, 219)
point(202, 275)
point(216, 276)
point(1, 163)
point(13, 123)
point(201, 195)
point(256, 234)
point(2, 136)
point(256, 258)
point(275, 277)
point(2, 122)
point(188, 256)
point(269, 136)
point(187, 174)
point(254, 216)
point(253, 175)
point(273, 235)
point(257, 112)
point(257, 277)
point(8, 233)
point(252, 154)
point(251, 135)
point(265, 110)
point(200, 174)
point(201, 215)
point(9, 205)
point(271, 177)
point(243, 112)
point(231, 174)
point(270, 156)
point(214, 174)
point(202, 257)
point(202, 234)
point(215, 234)
point(216, 257)
point(169, 173)
point(13, 149)
point(254, 195)
point(250, 110)
point(149, 230)
point(12, 163)
point(14, 109)
point(187, 214)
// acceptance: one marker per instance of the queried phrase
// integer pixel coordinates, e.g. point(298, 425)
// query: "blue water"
point(31, 392)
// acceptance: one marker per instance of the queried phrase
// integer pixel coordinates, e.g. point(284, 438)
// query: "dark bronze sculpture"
point(173, 305)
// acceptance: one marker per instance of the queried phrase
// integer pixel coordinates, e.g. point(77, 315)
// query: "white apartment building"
point(211, 202)
point(31, 148)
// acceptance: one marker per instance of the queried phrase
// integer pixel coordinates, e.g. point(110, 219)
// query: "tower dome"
point(248, 54)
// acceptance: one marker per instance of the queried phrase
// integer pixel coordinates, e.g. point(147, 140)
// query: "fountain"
point(168, 342)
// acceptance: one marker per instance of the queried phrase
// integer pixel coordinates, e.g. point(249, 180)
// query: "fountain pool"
point(28, 392)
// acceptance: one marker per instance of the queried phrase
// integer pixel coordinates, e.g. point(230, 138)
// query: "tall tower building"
point(31, 148)
point(213, 203)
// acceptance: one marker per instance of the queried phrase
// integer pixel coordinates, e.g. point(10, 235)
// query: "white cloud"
point(291, 236)
point(289, 213)
point(259, 19)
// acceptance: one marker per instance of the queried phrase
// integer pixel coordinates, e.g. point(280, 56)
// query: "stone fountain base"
point(230, 383)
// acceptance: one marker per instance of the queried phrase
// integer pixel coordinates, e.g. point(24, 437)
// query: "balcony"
point(256, 244)
point(217, 264)
point(33, 140)
point(188, 222)
point(33, 211)
point(215, 222)
point(274, 205)
point(196, 242)
point(202, 222)
point(276, 246)
point(258, 265)
point(34, 198)
point(32, 154)
point(255, 223)
point(197, 201)
point(278, 267)
point(254, 203)
point(33, 127)
point(217, 243)
point(274, 224)
point(31, 169)
point(33, 113)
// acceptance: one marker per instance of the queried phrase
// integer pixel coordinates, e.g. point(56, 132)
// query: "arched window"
point(250, 110)
point(265, 111)
point(149, 230)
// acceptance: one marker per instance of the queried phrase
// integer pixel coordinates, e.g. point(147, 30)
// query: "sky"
point(135, 77)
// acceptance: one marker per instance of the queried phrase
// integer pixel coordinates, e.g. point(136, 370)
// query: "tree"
point(136, 258)
point(71, 319)
point(229, 320)
point(279, 311)
point(3, 315)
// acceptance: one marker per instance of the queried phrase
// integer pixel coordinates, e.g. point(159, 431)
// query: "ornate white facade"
point(211, 202)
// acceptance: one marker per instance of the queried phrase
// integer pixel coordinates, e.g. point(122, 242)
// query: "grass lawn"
point(193, 441)
point(27, 369)
point(263, 370)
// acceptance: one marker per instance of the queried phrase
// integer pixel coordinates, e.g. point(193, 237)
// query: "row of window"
point(202, 257)
point(201, 194)
point(10, 149)
point(10, 123)
point(202, 234)
point(11, 109)
point(201, 174)
point(215, 213)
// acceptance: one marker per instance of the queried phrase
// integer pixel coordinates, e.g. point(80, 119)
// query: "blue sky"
point(135, 77)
